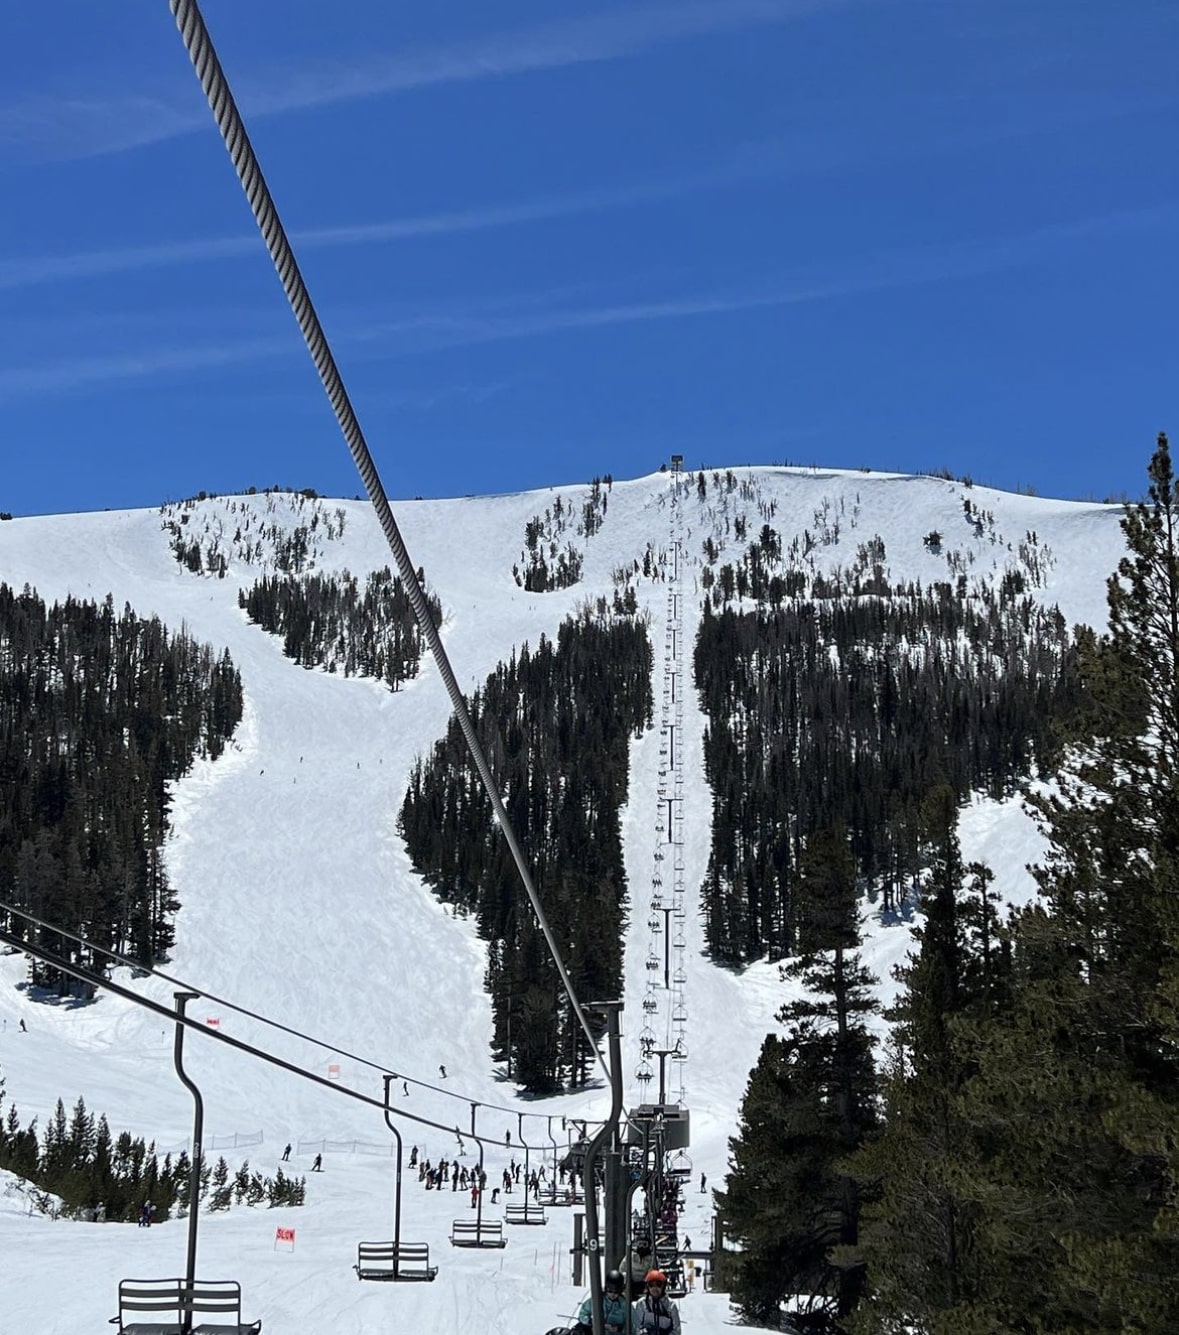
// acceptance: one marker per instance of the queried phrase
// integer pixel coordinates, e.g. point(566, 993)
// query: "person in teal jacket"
point(614, 1306)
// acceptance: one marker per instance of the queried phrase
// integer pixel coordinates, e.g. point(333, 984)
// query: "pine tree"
point(82, 1137)
point(241, 1183)
point(812, 1101)
point(920, 1227)
point(222, 1194)
point(771, 1162)
point(55, 1148)
point(256, 1192)
point(1076, 1091)
point(183, 1179)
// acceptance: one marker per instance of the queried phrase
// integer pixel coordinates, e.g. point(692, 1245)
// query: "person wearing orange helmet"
point(655, 1311)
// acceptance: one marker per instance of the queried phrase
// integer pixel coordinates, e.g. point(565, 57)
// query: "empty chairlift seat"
point(406, 1261)
point(679, 1166)
point(173, 1306)
point(477, 1233)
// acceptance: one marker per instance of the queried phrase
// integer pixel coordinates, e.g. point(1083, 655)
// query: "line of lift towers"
point(650, 1153)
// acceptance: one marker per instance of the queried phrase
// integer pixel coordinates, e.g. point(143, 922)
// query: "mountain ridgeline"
point(555, 724)
point(1008, 1161)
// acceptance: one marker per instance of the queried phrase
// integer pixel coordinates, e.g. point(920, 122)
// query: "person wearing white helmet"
point(655, 1311)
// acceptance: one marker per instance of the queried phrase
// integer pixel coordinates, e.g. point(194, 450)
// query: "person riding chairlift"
point(655, 1311)
point(613, 1307)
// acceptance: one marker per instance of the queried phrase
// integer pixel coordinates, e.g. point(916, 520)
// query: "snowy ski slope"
point(298, 901)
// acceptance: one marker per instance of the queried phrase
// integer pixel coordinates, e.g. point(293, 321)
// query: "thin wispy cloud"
point(531, 317)
point(824, 150)
point(76, 128)
point(897, 270)
point(592, 39)
point(80, 373)
point(37, 270)
point(60, 128)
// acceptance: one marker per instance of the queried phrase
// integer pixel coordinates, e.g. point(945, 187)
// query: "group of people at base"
point(654, 1311)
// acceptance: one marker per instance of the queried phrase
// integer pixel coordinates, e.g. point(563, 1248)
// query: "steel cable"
point(130, 963)
point(158, 1008)
point(200, 49)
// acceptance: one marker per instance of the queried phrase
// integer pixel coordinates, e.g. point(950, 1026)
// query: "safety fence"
point(236, 1140)
point(344, 1147)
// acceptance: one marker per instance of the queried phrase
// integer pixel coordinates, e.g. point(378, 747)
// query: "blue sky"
point(556, 240)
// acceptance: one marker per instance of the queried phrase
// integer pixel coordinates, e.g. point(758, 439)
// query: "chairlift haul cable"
point(204, 59)
point(158, 1008)
point(130, 963)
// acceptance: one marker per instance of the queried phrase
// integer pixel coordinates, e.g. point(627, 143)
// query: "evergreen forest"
point(544, 563)
point(555, 723)
point(76, 1164)
point(847, 711)
point(1010, 1162)
point(99, 712)
point(328, 621)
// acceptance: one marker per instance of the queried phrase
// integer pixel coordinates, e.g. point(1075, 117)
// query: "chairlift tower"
point(656, 1129)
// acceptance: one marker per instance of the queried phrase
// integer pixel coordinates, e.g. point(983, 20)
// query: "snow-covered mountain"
point(298, 901)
